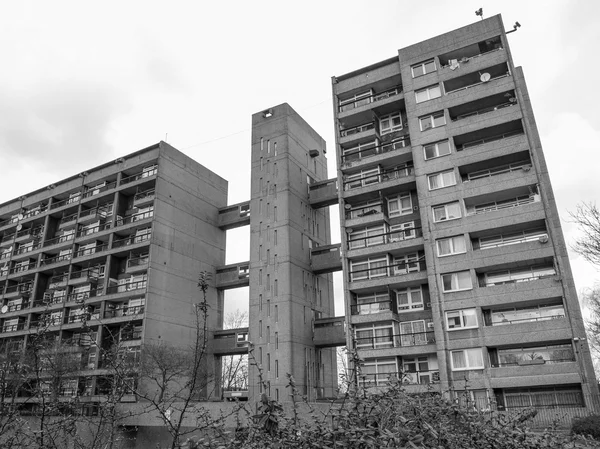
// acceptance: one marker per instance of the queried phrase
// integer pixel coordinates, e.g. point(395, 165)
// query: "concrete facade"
point(455, 267)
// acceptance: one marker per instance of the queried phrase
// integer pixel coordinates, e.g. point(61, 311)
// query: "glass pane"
point(475, 358)
point(418, 70)
point(458, 360)
point(435, 92)
point(453, 210)
point(453, 320)
point(434, 182)
point(430, 151)
point(429, 66)
point(464, 280)
point(470, 318)
point(421, 96)
point(447, 282)
point(444, 247)
point(459, 244)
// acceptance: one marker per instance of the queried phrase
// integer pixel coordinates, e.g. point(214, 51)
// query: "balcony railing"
point(504, 204)
point(406, 377)
point(17, 307)
point(125, 311)
point(137, 261)
point(26, 249)
point(93, 212)
point(494, 138)
point(96, 190)
point(11, 220)
point(82, 296)
point(526, 362)
point(396, 340)
point(24, 289)
point(496, 321)
point(356, 129)
point(22, 268)
point(385, 238)
point(89, 251)
point(55, 259)
point(146, 173)
point(131, 240)
point(135, 217)
point(33, 212)
point(14, 327)
point(396, 269)
point(58, 279)
point(368, 308)
point(143, 195)
point(485, 283)
point(126, 287)
point(88, 273)
point(485, 110)
point(60, 239)
point(93, 230)
point(361, 153)
point(67, 219)
point(74, 199)
point(30, 232)
point(365, 211)
point(346, 105)
point(395, 173)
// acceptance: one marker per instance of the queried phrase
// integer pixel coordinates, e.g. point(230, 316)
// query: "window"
point(372, 303)
point(423, 68)
point(450, 211)
point(432, 121)
point(513, 315)
point(412, 333)
point(518, 275)
point(442, 179)
point(375, 336)
point(512, 238)
point(377, 371)
point(461, 319)
point(368, 269)
point(543, 397)
point(399, 205)
point(366, 237)
point(466, 359)
point(451, 245)
point(409, 299)
point(408, 263)
point(404, 231)
point(390, 123)
point(453, 282)
point(429, 93)
point(532, 355)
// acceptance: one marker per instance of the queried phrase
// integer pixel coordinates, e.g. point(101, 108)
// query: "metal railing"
point(66, 201)
point(26, 249)
point(396, 269)
point(485, 283)
point(97, 190)
point(30, 232)
point(90, 251)
point(138, 261)
point(365, 211)
point(477, 83)
point(468, 58)
point(22, 268)
point(406, 377)
point(94, 230)
point(124, 311)
point(505, 321)
point(368, 308)
point(484, 110)
point(357, 129)
point(33, 212)
point(395, 173)
point(384, 238)
point(82, 296)
point(505, 204)
point(55, 259)
point(146, 173)
point(141, 195)
point(87, 273)
point(24, 288)
point(346, 105)
point(67, 219)
point(131, 240)
point(59, 239)
point(12, 220)
point(91, 212)
point(395, 340)
point(355, 155)
point(135, 217)
point(14, 327)
point(501, 364)
point(127, 287)
point(59, 278)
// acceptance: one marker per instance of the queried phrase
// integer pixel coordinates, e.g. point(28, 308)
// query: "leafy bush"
point(590, 425)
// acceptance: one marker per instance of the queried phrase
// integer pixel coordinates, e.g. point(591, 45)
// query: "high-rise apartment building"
point(455, 267)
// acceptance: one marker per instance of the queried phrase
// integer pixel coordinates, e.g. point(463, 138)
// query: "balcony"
point(136, 264)
point(486, 135)
point(476, 78)
point(26, 235)
point(234, 216)
point(395, 341)
point(9, 222)
point(74, 198)
point(500, 200)
point(352, 157)
point(376, 180)
point(375, 307)
point(143, 199)
point(368, 98)
point(128, 219)
point(22, 268)
point(326, 259)
point(330, 332)
point(84, 276)
point(424, 378)
point(469, 53)
point(92, 215)
point(18, 291)
point(80, 297)
point(7, 240)
point(52, 260)
point(59, 281)
point(23, 250)
point(482, 106)
point(323, 193)
point(83, 252)
point(96, 190)
point(8, 328)
point(125, 311)
point(63, 239)
point(68, 222)
point(346, 132)
point(130, 286)
point(230, 341)
point(364, 214)
point(87, 231)
point(233, 276)
point(378, 268)
point(147, 172)
point(131, 240)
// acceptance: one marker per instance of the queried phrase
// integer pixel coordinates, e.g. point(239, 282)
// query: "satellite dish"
point(4, 309)
point(485, 77)
point(347, 206)
point(9, 249)
point(19, 227)
point(20, 216)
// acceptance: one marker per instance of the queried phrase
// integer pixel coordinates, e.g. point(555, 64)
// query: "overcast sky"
point(83, 83)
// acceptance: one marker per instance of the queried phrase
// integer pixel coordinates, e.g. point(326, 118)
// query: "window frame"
point(410, 305)
point(423, 66)
point(400, 211)
point(467, 367)
point(452, 246)
point(442, 178)
point(462, 319)
point(391, 127)
point(432, 120)
point(445, 206)
point(458, 289)
point(428, 90)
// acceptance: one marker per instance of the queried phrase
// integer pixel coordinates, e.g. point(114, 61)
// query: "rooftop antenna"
point(166, 136)
point(479, 13)
point(516, 26)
